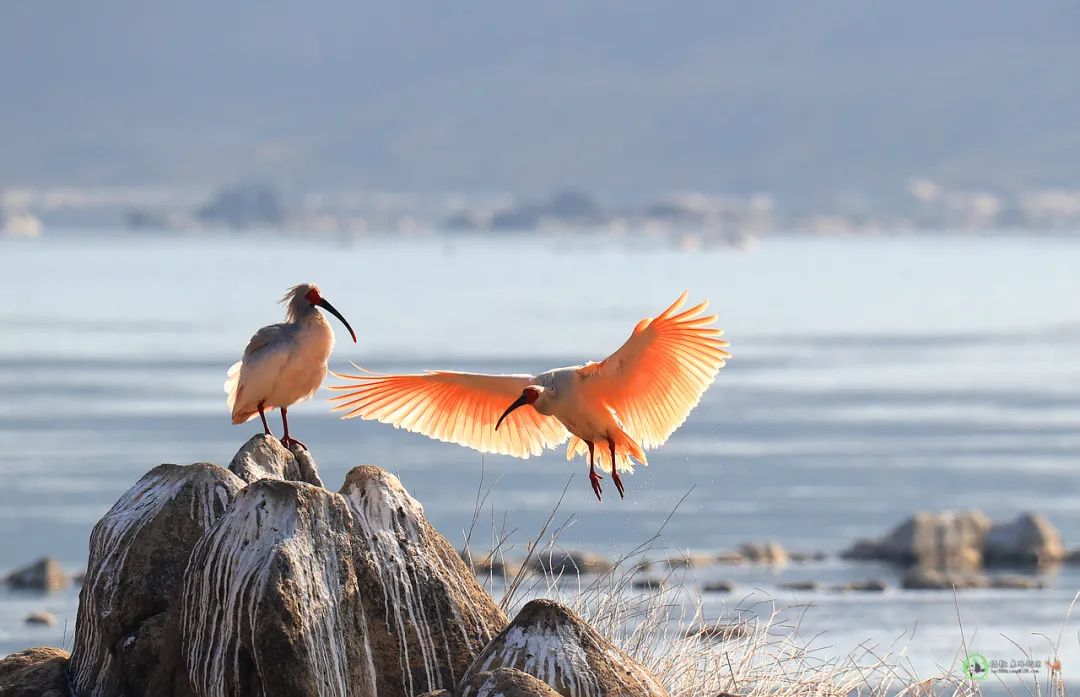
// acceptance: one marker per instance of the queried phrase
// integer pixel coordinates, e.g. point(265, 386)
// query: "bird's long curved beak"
point(323, 303)
point(521, 401)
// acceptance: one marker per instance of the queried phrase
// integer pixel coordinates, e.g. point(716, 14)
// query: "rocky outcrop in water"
point(123, 639)
point(38, 672)
point(550, 642)
point(45, 574)
point(206, 582)
point(937, 545)
point(1029, 541)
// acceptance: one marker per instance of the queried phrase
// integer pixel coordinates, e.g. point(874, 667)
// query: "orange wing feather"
point(658, 376)
point(453, 407)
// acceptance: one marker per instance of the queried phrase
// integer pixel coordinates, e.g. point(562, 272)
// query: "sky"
point(620, 98)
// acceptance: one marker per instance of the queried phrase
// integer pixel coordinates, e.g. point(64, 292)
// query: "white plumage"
point(284, 363)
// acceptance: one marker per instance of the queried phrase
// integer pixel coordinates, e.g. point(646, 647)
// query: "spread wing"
point(658, 376)
point(452, 407)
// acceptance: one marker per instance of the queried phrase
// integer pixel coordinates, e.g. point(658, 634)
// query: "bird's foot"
point(594, 479)
point(289, 441)
point(618, 483)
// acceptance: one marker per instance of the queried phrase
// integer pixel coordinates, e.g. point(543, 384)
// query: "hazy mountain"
point(615, 96)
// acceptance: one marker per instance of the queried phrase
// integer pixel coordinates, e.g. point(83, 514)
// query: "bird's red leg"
point(615, 469)
point(594, 478)
point(287, 440)
point(262, 415)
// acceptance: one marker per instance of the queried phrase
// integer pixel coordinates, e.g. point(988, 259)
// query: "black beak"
point(521, 401)
point(324, 304)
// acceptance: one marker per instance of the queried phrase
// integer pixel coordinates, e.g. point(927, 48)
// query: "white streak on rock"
point(227, 580)
point(386, 515)
point(552, 654)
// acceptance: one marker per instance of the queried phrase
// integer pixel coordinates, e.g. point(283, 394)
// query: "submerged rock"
point(37, 672)
point(719, 587)
point(41, 617)
point(45, 574)
point(1016, 582)
point(720, 631)
point(934, 579)
point(551, 643)
point(505, 682)
point(1030, 541)
point(947, 541)
point(138, 552)
point(763, 553)
point(557, 562)
point(270, 599)
point(264, 457)
point(871, 586)
point(427, 615)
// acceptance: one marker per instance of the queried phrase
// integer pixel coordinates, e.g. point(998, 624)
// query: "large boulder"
point(947, 541)
point(46, 574)
point(551, 643)
point(1030, 541)
point(506, 682)
point(264, 457)
point(270, 600)
point(37, 672)
point(426, 614)
point(138, 552)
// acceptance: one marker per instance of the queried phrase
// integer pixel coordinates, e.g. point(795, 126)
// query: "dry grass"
point(752, 652)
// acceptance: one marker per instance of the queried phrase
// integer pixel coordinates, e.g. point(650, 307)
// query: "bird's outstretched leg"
point(262, 415)
point(287, 440)
point(615, 469)
point(594, 477)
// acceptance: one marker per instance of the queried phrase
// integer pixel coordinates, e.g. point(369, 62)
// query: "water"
point(872, 378)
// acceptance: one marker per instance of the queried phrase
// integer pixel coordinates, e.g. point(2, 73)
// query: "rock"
point(763, 553)
point(264, 457)
point(37, 672)
point(806, 557)
point(934, 579)
point(550, 642)
point(729, 558)
point(648, 584)
point(719, 631)
point(138, 552)
point(1016, 582)
point(42, 617)
point(872, 586)
point(558, 562)
point(947, 541)
point(1030, 541)
point(691, 561)
point(485, 565)
point(427, 616)
point(719, 587)
point(505, 682)
point(45, 574)
point(271, 602)
point(438, 693)
point(799, 586)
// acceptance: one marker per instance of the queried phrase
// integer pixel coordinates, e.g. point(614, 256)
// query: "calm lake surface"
point(871, 378)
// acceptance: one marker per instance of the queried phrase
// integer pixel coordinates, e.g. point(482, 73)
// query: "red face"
point(530, 394)
point(313, 296)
